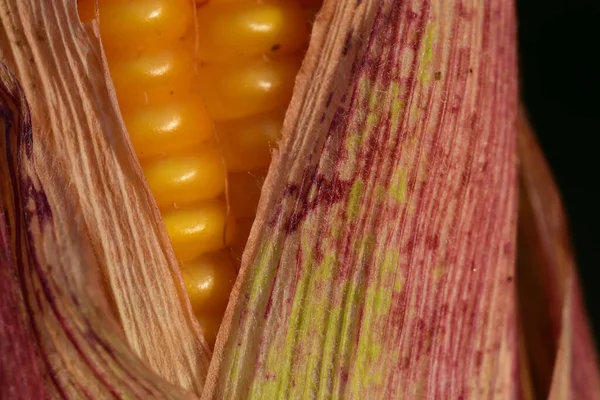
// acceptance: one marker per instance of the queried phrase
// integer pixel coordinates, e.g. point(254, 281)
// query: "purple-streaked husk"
point(381, 262)
point(79, 218)
point(560, 348)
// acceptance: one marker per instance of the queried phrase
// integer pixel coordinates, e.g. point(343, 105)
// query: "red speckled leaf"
point(381, 264)
point(20, 374)
point(560, 348)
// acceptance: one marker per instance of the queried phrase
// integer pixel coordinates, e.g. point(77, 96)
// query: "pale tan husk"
point(104, 216)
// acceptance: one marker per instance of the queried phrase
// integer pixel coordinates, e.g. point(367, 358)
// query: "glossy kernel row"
point(203, 91)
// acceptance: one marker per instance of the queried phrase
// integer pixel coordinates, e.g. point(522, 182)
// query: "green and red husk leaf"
point(381, 264)
point(560, 348)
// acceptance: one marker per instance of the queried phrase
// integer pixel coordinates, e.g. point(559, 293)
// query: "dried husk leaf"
point(381, 262)
point(80, 217)
point(59, 337)
point(559, 345)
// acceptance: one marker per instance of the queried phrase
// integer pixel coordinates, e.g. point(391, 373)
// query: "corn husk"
point(101, 289)
point(381, 263)
point(559, 346)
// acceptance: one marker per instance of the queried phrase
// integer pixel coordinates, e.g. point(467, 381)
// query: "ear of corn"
point(381, 260)
point(219, 85)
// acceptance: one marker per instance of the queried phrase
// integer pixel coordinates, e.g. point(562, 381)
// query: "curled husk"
point(558, 343)
point(381, 263)
point(79, 219)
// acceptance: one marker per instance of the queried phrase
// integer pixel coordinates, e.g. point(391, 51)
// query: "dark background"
point(560, 70)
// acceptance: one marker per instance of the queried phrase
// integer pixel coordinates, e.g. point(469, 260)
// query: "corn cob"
point(203, 89)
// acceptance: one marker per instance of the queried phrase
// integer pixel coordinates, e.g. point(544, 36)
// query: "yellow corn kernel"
point(238, 90)
point(134, 24)
point(208, 281)
point(199, 229)
point(209, 324)
point(162, 128)
point(145, 69)
point(247, 143)
point(230, 31)
point(198, 174)
point(249, 52)
point(244, 192)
